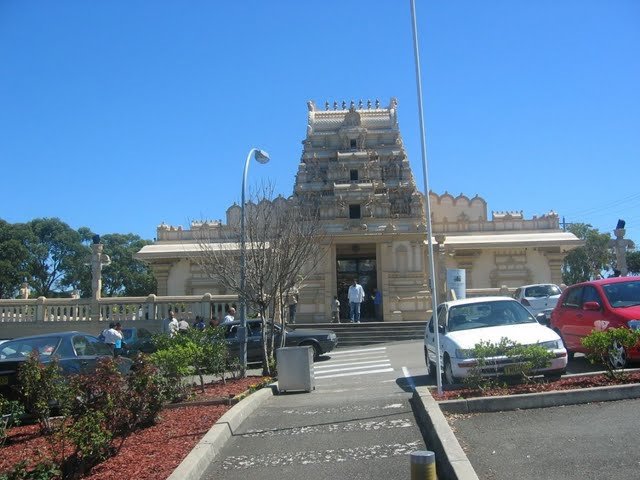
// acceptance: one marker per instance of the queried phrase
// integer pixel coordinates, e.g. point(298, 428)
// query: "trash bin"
point(295, 369)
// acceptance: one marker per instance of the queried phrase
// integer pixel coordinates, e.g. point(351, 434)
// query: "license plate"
point(4, 380)
point(512, 370)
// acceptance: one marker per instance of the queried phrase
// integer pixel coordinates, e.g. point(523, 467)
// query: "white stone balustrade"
point(42, 315)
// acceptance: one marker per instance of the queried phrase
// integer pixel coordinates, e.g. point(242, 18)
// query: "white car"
point(538, 298)
point(465, 323)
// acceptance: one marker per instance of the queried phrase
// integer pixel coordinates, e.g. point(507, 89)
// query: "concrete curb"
point(541, 400)
point(451, 461)
point(195, 464)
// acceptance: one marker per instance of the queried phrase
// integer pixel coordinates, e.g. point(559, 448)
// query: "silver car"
point(538, 298)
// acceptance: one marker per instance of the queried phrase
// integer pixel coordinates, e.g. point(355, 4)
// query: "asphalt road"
point(578, 442)
point(357, 424)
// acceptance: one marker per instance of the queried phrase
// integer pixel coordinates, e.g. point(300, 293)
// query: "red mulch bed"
point(149, 454)
point(564, 383)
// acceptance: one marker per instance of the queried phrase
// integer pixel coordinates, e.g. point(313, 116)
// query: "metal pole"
point(432, 269)
point(242, 331)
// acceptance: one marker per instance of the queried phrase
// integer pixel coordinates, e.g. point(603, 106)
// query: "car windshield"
point(626, 294)
point(538, 291)
point(127, 333)
point(487, 314)
point(22, 348)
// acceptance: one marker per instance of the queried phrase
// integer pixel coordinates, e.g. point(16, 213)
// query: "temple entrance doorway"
point(356, 261)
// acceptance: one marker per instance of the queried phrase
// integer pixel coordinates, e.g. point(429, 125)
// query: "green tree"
point(633, 262)
point(126, 275)
point(14, 257)
point(55, 248)
point(587, 261)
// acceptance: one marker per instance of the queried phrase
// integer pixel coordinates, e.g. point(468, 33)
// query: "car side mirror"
point(591, 306)
point(441, 328)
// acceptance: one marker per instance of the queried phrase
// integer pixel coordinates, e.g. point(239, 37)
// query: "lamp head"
point(261, 156)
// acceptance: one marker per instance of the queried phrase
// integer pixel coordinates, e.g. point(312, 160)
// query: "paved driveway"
point(578, 442)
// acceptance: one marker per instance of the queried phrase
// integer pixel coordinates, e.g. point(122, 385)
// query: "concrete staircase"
point(367, 333)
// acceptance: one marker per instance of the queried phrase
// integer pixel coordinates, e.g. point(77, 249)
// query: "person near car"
point(111, 335)
point(335, 309)
point(172, 324)
point(292, 301)
point(183, 326)
point(356, 296)
point(119, 343)
point(229, 317)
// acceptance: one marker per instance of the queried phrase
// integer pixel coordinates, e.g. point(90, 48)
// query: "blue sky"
point(119, 115)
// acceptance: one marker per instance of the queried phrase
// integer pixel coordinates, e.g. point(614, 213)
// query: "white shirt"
point(172, 326)
point(183, 325)
point(356, 293)
point(111, 335)
point(228, 319)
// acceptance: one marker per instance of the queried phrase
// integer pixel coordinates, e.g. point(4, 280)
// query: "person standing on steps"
point(335, 310)
point(356, 296)
point(376, 296)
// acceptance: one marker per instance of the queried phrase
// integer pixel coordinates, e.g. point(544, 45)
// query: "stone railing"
point(31, 316)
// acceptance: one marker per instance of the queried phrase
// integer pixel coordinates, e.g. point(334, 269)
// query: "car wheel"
point(430, 366)
point(617, 356)
point(449, 379)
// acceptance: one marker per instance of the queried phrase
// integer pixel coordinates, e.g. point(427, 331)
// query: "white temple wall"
point(178, 275)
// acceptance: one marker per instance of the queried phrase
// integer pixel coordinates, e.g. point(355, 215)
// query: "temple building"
point(355, 171)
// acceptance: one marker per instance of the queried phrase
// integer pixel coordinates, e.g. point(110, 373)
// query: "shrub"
point(92, 443)
point(526, 360)
point(42, 388)
point(42, 471)
point(10, 413)
point(601, 345)
point(194, 352)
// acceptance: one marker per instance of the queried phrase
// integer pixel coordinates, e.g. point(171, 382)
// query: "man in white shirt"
point(183, 326)
point(356, 296)
point(172, 324)
point(230, 317)
point(111, 336)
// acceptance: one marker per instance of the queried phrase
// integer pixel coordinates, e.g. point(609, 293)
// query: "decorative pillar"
point(441, 268)
point(555, 260)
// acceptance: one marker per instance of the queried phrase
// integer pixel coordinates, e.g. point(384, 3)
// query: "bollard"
point(423, 465)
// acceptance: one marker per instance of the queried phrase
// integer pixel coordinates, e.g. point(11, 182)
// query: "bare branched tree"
point(284, 239)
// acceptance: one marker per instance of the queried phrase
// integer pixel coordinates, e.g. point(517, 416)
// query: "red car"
point(598, 305)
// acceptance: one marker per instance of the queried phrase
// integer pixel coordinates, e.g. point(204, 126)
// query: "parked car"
point(77, 352)
point(462, 324)
point(540, 299)
point(137, 340)
point(322, 341)
point(599, 305)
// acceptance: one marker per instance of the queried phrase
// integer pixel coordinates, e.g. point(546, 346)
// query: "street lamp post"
point(432, 269)
point(262, 157)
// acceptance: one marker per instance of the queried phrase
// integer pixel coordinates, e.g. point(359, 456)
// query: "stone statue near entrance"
point(620, 246)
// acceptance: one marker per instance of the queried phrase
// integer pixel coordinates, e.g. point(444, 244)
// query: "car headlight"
point(551, 345)
point(634, 324)
point(464, 353)
point(332, 336)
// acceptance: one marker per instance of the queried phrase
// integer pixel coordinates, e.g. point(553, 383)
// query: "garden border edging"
point(541, 400)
